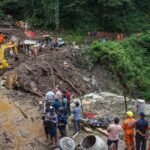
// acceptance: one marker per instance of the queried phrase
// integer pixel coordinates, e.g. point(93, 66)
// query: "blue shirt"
point(142, 125)
point(76, 112)
point(62, 118)
point(57, 104)
point(50, 96)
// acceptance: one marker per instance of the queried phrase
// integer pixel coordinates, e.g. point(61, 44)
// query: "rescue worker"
point(128, 127)
point(2, 38)
point(141, 132)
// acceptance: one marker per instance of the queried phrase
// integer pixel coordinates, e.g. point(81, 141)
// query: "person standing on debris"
point(64, 102)
point(53, 43)
point(53, 125)
point(50, 97)
point(113, 137)
point(128, 127)
point(77, 117)
point(59, 94)
point(57, 104)
point(35, 51)
point(62, 122)
point(56, 44)
point(141, 132)
point(46, 123)
point(68, 96)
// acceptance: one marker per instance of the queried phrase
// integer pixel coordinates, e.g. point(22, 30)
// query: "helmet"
point(51, 109)
point(129, 114)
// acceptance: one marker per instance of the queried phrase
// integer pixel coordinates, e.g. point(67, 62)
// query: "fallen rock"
point(23, 134)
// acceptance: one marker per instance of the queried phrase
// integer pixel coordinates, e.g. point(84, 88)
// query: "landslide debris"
point(51, 69)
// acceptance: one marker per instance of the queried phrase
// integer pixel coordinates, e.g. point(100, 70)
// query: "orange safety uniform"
point(128, 127)
point(2, 38)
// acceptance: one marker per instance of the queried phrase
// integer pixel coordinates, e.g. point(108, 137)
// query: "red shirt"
point(68, 96)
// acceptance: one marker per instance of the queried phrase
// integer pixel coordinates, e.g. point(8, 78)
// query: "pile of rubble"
point(51, 68)
point(48, 70)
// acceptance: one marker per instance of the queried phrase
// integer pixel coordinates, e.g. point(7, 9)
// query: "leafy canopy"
point(128, 60)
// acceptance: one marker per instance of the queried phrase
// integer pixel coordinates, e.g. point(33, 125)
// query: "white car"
point(60, 42)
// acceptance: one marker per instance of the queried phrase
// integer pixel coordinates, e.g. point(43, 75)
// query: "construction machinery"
point(7, 51)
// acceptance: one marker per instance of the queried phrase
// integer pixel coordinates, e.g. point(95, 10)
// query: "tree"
point(82, 16)
point(57, 14)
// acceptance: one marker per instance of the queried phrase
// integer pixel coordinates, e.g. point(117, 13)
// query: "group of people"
point(57, 109)
point(49, 42)
point(32, 49)
point(56, 112)
point(129, 126)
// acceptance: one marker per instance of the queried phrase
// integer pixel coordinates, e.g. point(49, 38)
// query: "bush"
point(128, 60)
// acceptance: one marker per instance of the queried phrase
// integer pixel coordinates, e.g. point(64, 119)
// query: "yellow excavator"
point(5, 53)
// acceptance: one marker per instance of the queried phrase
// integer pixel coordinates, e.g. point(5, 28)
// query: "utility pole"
point(57, 14)
point(125, 100)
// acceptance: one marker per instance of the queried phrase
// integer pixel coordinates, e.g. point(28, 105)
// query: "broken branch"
point(23, 113)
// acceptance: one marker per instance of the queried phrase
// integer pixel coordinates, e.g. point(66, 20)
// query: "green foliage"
point(82, 16)
point(70, 38)
point(128, 60)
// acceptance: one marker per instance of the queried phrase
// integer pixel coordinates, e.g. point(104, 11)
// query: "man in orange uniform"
point(2, 38)
point(128, 127)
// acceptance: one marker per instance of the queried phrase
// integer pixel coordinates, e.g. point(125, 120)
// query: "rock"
point(86, 79)
point(23, 134)
point(107, 94)
point(6, 137)
point(19, 120)
point(2, 82)
point(20, 94)
point(93, 96)
point(93, 81)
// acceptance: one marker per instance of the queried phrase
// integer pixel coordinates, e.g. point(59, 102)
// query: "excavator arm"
point(3, 62)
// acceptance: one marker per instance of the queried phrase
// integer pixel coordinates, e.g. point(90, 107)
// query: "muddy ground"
point(21, 131)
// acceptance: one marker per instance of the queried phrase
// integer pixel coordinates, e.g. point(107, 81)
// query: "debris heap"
point(49, 70)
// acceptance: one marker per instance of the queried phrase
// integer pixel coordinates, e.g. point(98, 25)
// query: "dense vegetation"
point(128, 60)
point(81, 15)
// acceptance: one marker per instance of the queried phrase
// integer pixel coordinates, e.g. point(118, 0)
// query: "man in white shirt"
point(59, 94)
point(113, 137)
point(50, 97)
